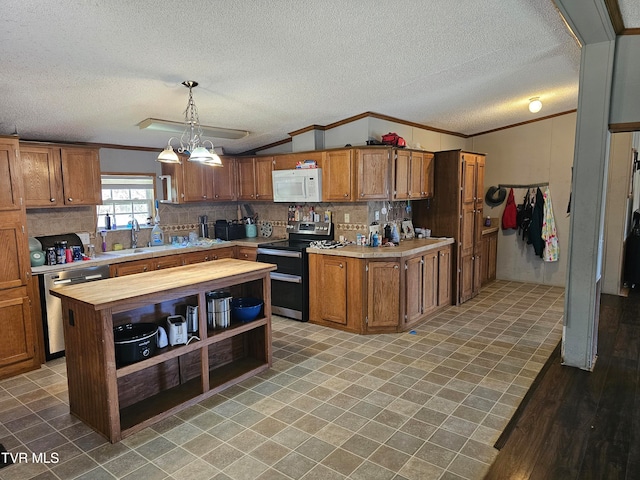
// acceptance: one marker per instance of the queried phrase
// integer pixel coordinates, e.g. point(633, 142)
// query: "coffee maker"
point(204, 226)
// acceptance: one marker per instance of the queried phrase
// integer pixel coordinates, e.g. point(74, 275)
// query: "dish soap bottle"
point(157, 235)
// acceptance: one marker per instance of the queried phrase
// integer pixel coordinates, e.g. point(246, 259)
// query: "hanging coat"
point(510, 213)
point(549, 235)
point(535, 229)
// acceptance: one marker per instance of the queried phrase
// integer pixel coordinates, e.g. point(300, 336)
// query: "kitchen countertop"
point(141, 253)
point(405, 249)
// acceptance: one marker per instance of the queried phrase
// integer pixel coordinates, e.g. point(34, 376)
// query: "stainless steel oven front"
point(289, 290)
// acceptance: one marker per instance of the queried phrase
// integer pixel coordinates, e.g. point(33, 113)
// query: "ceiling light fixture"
point(191, 141)
point(535, 105)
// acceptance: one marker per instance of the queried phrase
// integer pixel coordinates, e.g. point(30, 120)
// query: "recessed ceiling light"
point(535, 105)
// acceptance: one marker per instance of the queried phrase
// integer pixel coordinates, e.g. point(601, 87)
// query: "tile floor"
point(417, 406)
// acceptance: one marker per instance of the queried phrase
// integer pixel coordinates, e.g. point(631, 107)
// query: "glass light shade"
point(535, 105)
point(168, 156)
point(216, 161)
point(200, 154)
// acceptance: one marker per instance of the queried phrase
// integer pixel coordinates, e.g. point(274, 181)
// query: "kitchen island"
point(379, 289)
point(118, 401)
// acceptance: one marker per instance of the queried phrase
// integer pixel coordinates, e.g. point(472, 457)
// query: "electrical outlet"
point(347, 218)
point(377, 215)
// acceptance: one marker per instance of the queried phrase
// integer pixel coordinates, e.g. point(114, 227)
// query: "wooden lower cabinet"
point(17, 350)
point(489, 257)
point(246, 253)
point(170, 261)
point(335, 284)
point(426, 284)
point(383, 286)
point(378, 296)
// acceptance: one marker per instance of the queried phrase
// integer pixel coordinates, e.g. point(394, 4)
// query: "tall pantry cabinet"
point(457, 211)
point(17, 349)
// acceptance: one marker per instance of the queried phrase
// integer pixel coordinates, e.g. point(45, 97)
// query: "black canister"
point(51, 256)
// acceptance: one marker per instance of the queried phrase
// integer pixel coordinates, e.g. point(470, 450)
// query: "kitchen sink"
point(133, 251)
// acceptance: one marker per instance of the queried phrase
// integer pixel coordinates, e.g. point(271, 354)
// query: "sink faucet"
point(135, 228)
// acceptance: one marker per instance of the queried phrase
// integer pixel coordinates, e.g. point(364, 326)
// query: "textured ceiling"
point(630, 10)
point(91, 71)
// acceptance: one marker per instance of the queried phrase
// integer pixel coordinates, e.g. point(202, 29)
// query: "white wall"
point(532, 153)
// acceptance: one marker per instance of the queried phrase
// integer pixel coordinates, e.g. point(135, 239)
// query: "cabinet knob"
point(206, 258)
point(52, 199)
point(340, 265)
point(144, 269)
point(346, 195)
point(69, 199)
point(362, 194)
point(215, 257)
point(204, 196)
point(395, 267)
point(216, 196)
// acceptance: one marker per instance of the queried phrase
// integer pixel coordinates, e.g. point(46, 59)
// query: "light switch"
point(347, 218)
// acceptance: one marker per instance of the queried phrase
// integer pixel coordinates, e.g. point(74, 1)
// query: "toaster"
point(177, 330)
point(229, 231)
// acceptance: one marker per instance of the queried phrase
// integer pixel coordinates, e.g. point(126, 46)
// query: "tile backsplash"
point(182, 219)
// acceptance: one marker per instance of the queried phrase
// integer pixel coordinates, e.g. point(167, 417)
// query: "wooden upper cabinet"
point(11, 195)
point(469, 166)
point(224, 180)
point(254, 178)
point(402, 175)
point(372, 174)
point(197, 181)
point(264, 180)
point(42, 173)
point(416, 181)
point(337, 176)
point(81, 183)
point(428, 182)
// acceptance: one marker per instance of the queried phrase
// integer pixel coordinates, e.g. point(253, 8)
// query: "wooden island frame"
point(118, 401)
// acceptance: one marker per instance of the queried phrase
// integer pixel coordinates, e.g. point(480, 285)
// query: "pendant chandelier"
point(191, 142)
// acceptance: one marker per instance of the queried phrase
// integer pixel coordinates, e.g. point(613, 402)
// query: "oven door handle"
point(284, 277)
point(278, 253)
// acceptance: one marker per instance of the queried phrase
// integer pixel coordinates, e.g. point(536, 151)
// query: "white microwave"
point(302, 185)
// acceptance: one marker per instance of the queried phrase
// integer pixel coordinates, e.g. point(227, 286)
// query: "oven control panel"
point(309, 228)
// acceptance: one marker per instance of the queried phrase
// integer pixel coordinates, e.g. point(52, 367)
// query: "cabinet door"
point(337, 176)
point(168, 261)
point(383, 301)
point(372, 178)
point(224, 180)
point(444, 276)
point(430, 282)
point(467, 268)
point(334, 287)
point(468, 178)
point(196, 257)
point(81, 176)
point(413, 289)
point(129, 268)
point(15, 266)
point(492, 256)
point(402, 175)
point(428, 165)
point(197, 181)
point(263, 180)
point(416, 189)
point(223, 252)
point(246, 179)
point(246, 253)
point(10, 176)
point(173, 184)
point(42, 176)
point(17, 329)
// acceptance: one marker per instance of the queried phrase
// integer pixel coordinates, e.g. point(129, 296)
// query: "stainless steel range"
point(290, 281)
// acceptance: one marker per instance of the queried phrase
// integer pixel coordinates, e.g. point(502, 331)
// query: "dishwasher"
point(52, 306)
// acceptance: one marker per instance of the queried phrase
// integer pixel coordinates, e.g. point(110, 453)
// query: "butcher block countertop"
point(405, 249)
point(143, 287)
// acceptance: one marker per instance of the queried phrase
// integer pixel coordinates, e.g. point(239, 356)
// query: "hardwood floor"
point(581, 425)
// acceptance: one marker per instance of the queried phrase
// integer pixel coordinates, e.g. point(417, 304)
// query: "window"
point(125, 197)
